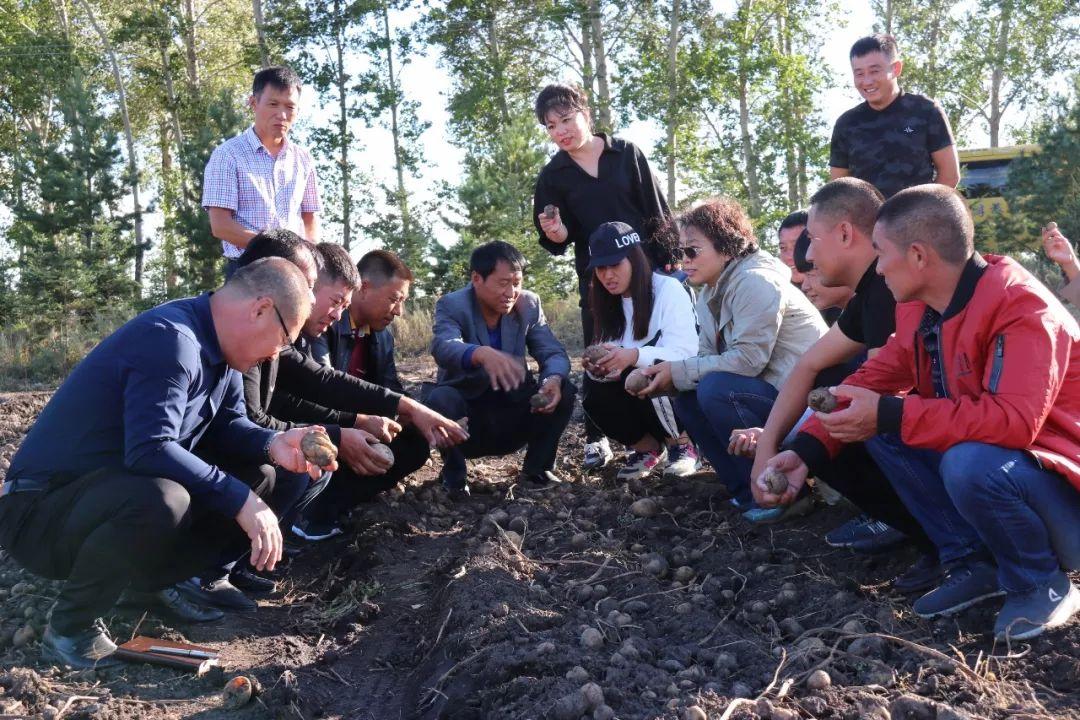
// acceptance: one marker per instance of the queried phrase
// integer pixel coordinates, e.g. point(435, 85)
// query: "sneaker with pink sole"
point(641, 464)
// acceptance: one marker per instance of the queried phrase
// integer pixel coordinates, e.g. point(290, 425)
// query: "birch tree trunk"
point(395, 130)
point(673, 98)
point(495, 49)
point(260, 33)
point(603, 86)
point(997, 72)
point(129, 139)
point(341, 83)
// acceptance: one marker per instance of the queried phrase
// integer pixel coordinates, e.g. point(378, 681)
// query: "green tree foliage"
point(1043, 187)
point(404, 226)
point(322, 36)
point(983, 59)
point(68, 221)
point(495, 199)
point(738, 94)
point(733, 91)
point(492, 50)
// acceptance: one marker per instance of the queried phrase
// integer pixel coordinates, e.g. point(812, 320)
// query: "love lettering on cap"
point(627, 240)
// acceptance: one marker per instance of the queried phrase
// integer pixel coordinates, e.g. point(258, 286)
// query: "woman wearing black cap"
point(593, 179)
point(642, 317)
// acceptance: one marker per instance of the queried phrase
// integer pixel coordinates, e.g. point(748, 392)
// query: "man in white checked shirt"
point(259, 180)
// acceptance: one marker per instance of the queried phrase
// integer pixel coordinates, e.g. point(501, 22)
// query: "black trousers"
point(592, 433)
point(110, 529)
point(501, 423)
point(618, 414)
point(856, 476)
point(347, 489)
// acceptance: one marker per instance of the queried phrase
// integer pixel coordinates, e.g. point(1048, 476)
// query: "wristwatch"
point(266, 449)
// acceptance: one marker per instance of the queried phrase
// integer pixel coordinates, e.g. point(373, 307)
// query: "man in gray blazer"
point(482, 333)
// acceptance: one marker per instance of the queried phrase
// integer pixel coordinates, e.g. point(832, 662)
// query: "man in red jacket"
point(972, 409)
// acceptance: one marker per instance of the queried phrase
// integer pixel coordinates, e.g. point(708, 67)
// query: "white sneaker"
point(597, 454)
point(640, 465)
point(683, 461)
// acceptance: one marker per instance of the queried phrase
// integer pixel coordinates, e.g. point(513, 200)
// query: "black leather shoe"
point(457, 494)
point(91, 648)
point(171, 603)
point(539, 480)
point(245, 578)
point(219, 593)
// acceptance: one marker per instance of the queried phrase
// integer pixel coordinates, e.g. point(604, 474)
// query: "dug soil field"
point(591, 599)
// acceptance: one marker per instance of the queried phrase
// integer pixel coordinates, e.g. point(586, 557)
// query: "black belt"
point(18, 485)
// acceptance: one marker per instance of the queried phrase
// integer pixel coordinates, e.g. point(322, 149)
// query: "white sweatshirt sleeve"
point(674, 316)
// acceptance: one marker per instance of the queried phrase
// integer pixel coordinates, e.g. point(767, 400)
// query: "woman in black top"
point(591, 180)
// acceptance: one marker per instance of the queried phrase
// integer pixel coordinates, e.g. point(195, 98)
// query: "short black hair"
point(337, 265)
point(485, 257)
point(379, 267)
point(282, 77)
point(280, 243)
point(878, 42)
point(802, 245)
point(933, 214)
point(799, 218)
point(849, 198)
point(560, 98)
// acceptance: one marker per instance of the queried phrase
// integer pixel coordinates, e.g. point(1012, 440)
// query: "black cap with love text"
point(610, 243)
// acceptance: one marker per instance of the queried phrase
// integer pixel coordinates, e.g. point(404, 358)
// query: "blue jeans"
point(721, 403)
point(975, 496)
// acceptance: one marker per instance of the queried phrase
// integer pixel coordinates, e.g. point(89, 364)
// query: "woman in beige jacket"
point(754, 325)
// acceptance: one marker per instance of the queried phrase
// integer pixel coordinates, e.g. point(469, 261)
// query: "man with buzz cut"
point(259, 180)
point(894, 139)
point(972, 410)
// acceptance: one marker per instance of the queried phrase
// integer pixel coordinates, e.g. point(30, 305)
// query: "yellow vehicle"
point(984, 173)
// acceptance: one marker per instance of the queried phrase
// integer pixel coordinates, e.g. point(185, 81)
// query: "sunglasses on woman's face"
point(690, 252)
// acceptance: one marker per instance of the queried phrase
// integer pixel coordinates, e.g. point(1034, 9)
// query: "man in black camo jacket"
point(894, 139)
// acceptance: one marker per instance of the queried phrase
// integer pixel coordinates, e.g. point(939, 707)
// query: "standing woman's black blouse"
point(626, 191)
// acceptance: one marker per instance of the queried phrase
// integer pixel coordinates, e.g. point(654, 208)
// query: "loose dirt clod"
point(776, 482)
point(636, 381)
point(569, 707)
point(577, 674)
point(604, 712)
point(317, 448)
point(236, 693)
point(822, 400)
point(912, 707)
point(593, 695)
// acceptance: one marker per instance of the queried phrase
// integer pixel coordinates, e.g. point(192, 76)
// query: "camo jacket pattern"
point(890, 148)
